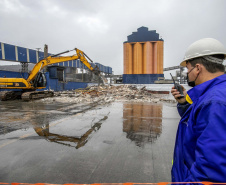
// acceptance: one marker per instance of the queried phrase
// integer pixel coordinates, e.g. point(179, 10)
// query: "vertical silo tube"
point(149, 56)
point(144, 70)
point(155, 61)
point(130, 60)
point(160, 57)
point(125, 58)
point(137, 56)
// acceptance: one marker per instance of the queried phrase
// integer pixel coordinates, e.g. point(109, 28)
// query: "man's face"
point(191, 72)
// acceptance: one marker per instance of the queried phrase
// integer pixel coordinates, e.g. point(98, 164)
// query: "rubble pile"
point(109, 93)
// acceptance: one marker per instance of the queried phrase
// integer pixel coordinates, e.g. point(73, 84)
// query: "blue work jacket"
point(200, 147)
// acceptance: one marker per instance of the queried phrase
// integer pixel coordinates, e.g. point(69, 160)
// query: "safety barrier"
point(159, 183)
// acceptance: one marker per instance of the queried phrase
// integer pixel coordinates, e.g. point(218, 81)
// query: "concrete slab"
point(113, 143)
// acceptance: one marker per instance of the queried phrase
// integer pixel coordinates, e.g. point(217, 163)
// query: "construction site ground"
point(106, 134)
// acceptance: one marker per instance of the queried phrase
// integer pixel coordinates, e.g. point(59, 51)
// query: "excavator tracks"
point(27, 96)
point(9, 95)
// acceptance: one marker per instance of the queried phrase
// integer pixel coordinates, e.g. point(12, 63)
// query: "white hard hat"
point(204, 47)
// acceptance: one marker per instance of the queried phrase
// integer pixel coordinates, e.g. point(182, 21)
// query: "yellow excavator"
point(37, 80)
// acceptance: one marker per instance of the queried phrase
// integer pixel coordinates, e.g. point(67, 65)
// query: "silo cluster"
point(143, 57)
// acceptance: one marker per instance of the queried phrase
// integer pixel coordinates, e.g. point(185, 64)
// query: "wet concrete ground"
point(66, 143)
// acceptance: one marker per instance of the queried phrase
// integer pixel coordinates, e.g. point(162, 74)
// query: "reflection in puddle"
point(142, 122)
point(70, 141)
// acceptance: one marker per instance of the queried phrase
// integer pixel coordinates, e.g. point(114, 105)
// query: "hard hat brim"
point(183, 64)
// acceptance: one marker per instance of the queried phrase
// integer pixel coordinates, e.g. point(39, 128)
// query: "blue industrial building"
point(56, 74)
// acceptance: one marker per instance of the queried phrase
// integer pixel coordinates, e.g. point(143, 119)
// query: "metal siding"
point(28, 58)
point(70, 63)
point(10, 52)
point(22, 54)
point(110, 70)
point(93, 65)
point(85, 67)
point(102, 67)
point(10, 74)
point(141, 78)
point(61, 64)
point(74, 63)
point(53, 72)
point(79, 64)
point(0, 50)
point(65, 64)
point(41, 55)
point(32, 56)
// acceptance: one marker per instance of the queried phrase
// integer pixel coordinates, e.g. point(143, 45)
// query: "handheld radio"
point(178, 87)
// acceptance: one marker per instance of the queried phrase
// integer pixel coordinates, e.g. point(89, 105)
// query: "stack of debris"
point(110, 93)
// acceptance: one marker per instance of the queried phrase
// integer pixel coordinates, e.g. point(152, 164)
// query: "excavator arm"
point(36, 80)
point(57, 59)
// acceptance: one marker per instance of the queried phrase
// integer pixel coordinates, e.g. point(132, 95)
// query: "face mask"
point(191, 83)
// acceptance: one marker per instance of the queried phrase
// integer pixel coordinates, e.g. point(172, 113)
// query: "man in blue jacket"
point(200, 147)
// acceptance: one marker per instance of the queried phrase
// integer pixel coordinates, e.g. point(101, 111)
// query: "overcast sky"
point(99, 27)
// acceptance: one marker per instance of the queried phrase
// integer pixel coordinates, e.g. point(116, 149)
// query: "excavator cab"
point(40, 80)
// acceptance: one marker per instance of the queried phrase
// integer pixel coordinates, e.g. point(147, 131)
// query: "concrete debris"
point(110, 93)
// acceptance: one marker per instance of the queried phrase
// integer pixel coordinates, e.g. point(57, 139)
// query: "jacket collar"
point(197, 91)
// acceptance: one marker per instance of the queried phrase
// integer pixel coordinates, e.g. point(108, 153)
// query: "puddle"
point(120, 142)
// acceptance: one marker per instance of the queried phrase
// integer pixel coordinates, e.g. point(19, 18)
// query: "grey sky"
point(99, 27)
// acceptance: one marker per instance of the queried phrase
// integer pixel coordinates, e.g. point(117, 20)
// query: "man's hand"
point(177, 95)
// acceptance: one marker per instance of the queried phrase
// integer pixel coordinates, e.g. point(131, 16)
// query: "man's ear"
point(198, 67)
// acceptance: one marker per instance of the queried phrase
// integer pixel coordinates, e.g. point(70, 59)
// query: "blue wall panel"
point(78, 64)
point(141, 78)
point(74, 63)
point(52, 84)
point(53, 72)
point(41, 55)
point(70, 63)
point(65, 64)
point(22, 54)
point(10, 74)
point(93, 65)
point(10, 52)
point(32, 56)
point(0, 50)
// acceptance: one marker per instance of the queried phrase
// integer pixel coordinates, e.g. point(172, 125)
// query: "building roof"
point(143, 35)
